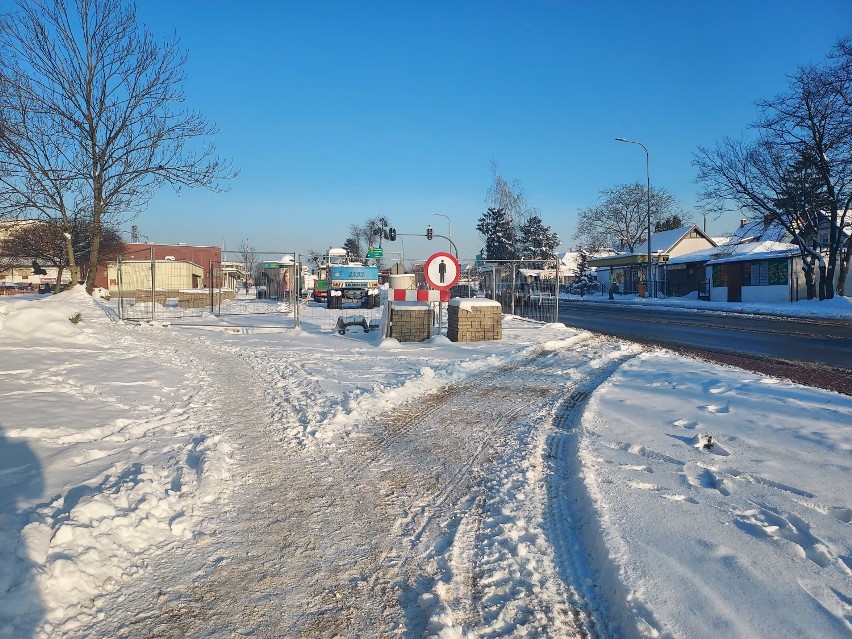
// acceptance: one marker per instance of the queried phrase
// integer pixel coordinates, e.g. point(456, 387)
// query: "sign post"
point(441, 272)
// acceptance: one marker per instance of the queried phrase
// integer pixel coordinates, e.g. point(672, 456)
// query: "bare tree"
point(798, 172)
point(507, 213)
point(366, 235)
point(104, 97)
point(248, 257)
point(36, 175)
point(315, 257)
point(45, 244)
point(620, 220)
point(760, 177)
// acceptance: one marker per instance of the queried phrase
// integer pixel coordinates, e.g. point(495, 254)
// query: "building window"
point(756, 274)
point(720, 275)
point(766, 273)
point(778, 272)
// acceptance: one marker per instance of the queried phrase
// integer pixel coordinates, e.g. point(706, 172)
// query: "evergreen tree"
point(585, 280)
point(670, 223)
point(537, 243)
point(353, 248)
point(496, 229)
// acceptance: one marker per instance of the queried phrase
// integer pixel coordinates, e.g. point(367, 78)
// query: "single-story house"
point(170, 277)
point(207, 258)
point(757, 272)
point(630, 270)
point(686, 274)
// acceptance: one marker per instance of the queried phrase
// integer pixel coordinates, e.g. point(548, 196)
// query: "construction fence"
point(150, 287)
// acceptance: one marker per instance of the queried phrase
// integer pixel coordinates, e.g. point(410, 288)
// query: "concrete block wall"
point(411, 321)
point(474, 324)
point(201, 298)
point(142, 296)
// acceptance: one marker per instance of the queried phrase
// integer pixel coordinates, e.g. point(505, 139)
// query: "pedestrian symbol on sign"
point(441, 271)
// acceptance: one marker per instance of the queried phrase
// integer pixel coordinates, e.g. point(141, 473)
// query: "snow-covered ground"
point(163, 481)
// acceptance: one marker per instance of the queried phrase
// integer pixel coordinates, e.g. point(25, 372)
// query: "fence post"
point(120, 288)
point(297, 284)
point(514, 266)
point(153, 283)
point(556, 292)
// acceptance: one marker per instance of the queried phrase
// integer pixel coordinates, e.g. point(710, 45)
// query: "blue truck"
point(348, 281)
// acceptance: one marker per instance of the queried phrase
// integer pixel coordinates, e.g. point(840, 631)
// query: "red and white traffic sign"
point(442, 271)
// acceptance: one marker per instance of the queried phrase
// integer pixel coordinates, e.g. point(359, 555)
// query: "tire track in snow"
point(568, 509)
point(459, 565)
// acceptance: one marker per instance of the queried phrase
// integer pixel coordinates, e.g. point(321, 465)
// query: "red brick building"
point(201, 255)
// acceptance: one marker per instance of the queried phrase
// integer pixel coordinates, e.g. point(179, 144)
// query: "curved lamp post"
point(648, 175)
point(449, 226)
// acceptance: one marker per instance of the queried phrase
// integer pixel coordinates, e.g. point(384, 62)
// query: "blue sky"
point(334, 112)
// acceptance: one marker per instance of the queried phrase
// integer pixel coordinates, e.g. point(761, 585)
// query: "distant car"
point(462, 290)
point(46, 288)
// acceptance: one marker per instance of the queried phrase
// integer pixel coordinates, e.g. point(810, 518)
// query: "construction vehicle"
point(341, 280)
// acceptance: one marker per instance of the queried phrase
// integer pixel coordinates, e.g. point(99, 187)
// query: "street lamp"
point(648, 175)
point(449, 228)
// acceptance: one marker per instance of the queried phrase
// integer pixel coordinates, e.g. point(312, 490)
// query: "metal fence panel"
point(149, 288)
point(523, 288)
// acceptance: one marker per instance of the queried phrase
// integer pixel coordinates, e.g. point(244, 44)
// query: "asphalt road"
point(821, 343)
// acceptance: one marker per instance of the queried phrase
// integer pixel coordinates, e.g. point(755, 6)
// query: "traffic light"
point(428, 232)
point(392, 234)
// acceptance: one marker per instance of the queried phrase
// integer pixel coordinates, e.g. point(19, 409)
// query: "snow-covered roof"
point(665, 241)
point(570, 261)
point(700, 255)
point(766, 250)
point(662, 241)
point(757, 231)
point(537, 272)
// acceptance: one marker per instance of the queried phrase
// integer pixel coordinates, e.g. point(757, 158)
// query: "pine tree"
point(496, 229)
point(585, 280)
point(537, 243)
